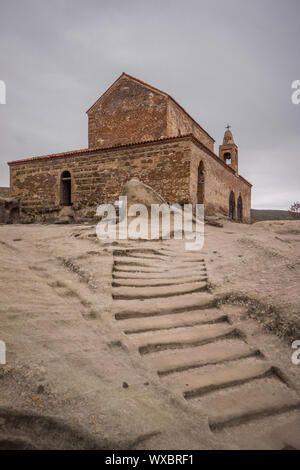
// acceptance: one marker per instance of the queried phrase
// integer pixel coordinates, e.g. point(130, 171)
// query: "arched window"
point(232, 206)
point(227, 158)
point(240, 209)
point(200, 184)
point(65, 192)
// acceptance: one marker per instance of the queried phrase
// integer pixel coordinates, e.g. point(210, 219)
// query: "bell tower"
point(228, 152)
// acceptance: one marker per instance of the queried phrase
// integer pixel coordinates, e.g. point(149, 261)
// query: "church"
point(135, 130)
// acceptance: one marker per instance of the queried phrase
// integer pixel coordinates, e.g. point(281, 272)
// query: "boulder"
point(214, 221)
point(66, 215)
point(139, 193)
point(67, 211)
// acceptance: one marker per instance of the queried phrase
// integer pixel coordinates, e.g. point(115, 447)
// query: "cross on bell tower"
point(228, 152)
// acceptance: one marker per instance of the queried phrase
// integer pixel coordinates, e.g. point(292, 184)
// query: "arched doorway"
point(200, 184)
point(240, 209)
point(232, 206)
point(65, 198)
point(227, 158)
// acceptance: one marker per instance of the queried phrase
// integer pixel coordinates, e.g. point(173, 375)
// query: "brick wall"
point(4, 192)
point(219, 182)
point(169, 167)
point(100, 177)
point(132, 112)
point(128, 113)
point(178, 121)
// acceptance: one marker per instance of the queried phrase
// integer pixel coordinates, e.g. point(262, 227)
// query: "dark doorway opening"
point(66, 188)
point(232, 206)
point(227, 158)
point(200, 186)
point(240, 209)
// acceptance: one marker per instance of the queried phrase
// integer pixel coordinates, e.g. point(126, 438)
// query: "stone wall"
point(4, 192)
point(220, 180)
point(170, 167)
point(133, 112)
point(179, 122)
point(99, 177)
point(128, 113)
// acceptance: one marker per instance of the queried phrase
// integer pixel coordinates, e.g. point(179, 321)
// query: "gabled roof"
point(154, 89)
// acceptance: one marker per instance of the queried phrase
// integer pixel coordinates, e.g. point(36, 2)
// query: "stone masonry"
point(138, 131)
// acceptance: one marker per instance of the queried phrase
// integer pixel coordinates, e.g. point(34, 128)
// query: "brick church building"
point(135, 130)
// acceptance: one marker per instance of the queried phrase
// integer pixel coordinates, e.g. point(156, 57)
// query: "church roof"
point(75, 153)
point(157, 91)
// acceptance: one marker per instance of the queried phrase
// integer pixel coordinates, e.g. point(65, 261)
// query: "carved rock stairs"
point(163, 304)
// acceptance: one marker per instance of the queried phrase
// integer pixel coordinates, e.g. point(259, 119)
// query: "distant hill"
point(260, 215)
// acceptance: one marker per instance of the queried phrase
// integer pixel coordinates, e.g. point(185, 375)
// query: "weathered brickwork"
point(138, 131)
point(128, 113)
point(171, 168)
point(99, 177)
point(219, 181)
point(179, 123)
point(131, 111)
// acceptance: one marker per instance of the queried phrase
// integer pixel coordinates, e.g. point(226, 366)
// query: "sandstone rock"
point(63, 220)
point(66, 215)
point(139, 193)
point(214, 221)
point(67, 211)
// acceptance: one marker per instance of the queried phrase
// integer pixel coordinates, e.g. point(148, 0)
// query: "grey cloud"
point(230, 60)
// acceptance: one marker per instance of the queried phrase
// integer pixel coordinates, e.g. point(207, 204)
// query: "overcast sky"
point(222, 60)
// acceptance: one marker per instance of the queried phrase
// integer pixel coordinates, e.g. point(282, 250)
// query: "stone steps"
point(256, 400)
point(136, 268)
point(150, 308)
point(214, 378)
point(140, 252)
point(143, 262)
point(143, 268)
point(220, 352)
point(165, 275)
point(153, 282)
point(185, 338)
point(131, 256)
point(162, 304)
point(173, 321)
point(157, 291)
